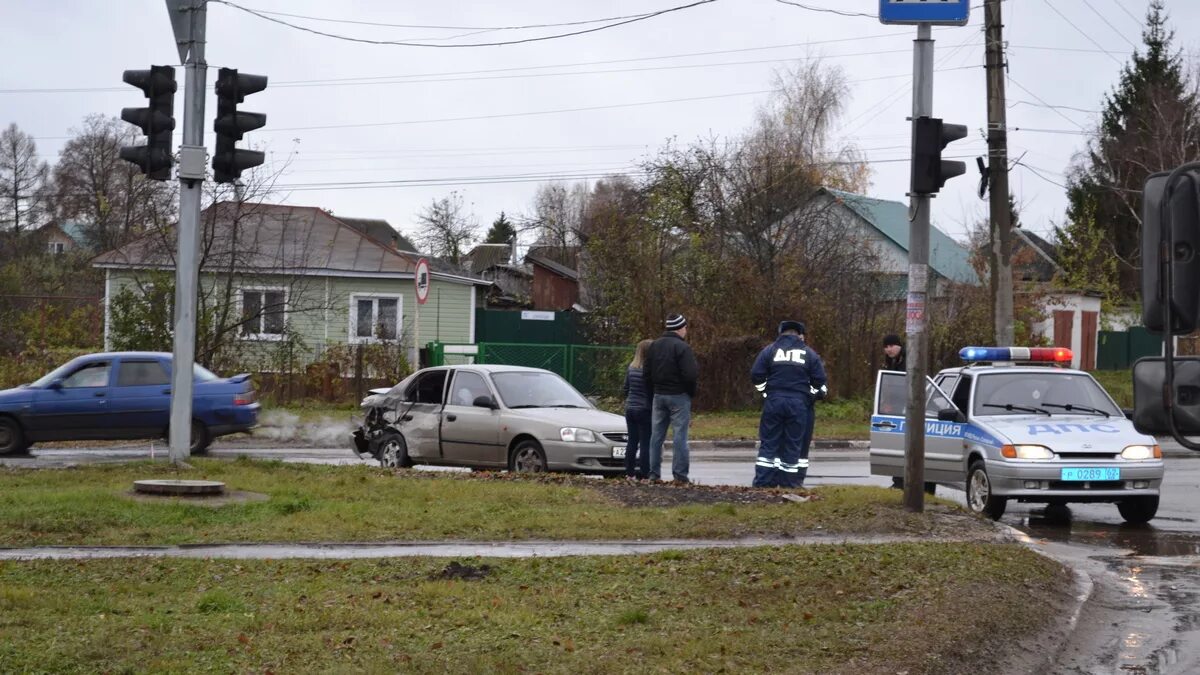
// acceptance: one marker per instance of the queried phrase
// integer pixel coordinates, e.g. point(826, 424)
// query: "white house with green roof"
point(884, 224)
point(274, 270)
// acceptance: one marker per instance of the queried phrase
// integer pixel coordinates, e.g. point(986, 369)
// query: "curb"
point(1083, 589)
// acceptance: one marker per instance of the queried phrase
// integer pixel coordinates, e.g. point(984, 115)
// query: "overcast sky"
point(1068, 53)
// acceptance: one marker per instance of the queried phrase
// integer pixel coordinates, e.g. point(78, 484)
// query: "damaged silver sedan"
point(490, 417)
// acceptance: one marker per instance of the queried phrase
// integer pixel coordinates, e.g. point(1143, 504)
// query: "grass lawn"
point(91, 505)
point(899, 608)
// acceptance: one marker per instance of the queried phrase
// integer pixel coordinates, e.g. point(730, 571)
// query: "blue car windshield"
point(531, 389)
point(1052, 392)
point(199, 374)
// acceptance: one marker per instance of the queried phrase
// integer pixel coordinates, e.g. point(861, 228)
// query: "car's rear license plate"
point(1092, 474)
point(619, 452)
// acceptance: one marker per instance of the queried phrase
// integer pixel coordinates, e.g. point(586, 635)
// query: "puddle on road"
point(1056, 524)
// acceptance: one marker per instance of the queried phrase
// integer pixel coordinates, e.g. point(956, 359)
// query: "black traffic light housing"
point(1183, 239)
point(157, 121)
point(929, 171)
point(231, 124)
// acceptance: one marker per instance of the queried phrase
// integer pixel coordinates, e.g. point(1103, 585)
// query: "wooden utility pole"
point(1001, 214)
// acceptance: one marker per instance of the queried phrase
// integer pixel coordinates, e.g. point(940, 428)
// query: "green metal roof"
point(947, 257)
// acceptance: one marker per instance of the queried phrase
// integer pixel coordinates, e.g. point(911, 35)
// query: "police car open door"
point(943, 439)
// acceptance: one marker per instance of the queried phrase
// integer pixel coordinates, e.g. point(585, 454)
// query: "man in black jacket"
point(894, 357)
point(670, 374)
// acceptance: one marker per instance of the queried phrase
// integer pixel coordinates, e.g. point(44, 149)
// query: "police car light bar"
point(1044, 354)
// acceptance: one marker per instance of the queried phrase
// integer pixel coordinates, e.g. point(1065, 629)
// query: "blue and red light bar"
point(1040, 354)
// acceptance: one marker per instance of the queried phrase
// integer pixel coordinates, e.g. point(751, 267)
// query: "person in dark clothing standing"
point(637, 416)
point(818, 394)
point(894, 356)
point(785, 372)
point(670, 373)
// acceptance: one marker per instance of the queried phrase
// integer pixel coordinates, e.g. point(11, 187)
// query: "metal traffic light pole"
point(918, 286)
point(191, 19)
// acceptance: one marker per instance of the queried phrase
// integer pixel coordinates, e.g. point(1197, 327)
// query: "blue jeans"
point(674, 410)
point(637, 449)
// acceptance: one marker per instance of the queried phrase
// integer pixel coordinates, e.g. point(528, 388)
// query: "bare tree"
point(109, 196)
point(446, 229)
point(22, 181)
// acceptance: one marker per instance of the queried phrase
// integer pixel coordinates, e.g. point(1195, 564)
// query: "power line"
point(443, 27)
point(1128, 13)
point(1081, 32)
point(1064, 132)
point(1109, 23)
point(1054, 107)
point(402, 43)
point(612, 106)
point(1069, 49)
point(825, 9)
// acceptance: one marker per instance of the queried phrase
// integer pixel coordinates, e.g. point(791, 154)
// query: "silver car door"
point(421, 414)
point(943, 440)
point(887, 424)
point(471, 433)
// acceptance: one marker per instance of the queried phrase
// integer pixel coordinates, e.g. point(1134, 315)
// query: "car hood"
point(16, 395)
point(595, 420)
point(1065, 433)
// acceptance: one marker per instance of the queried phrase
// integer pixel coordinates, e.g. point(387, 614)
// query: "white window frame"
point(262, 337)
point(58, 248)
point(353, 336)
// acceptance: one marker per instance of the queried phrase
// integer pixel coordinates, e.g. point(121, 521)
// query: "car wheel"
point(12, 438)
point(528, 457)
point(1138, 509)
point(200, 438)
point(979, 493)
point(393, 451)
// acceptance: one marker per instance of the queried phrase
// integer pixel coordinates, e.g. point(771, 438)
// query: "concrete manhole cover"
point(186, 488)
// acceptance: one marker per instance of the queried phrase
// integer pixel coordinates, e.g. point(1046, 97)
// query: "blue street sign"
point(938, 12)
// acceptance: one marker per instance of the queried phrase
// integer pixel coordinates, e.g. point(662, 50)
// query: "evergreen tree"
point(1149, 123)
point(501, 232)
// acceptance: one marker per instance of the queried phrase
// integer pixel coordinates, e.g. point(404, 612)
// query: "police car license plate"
point(1091, 474)
point(619, 452)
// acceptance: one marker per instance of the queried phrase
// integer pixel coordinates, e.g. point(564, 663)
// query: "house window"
point(264, 314)
point(374, 318)
point(57, 247)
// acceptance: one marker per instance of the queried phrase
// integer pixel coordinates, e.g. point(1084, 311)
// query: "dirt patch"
point(648, 494)
point(456, 570)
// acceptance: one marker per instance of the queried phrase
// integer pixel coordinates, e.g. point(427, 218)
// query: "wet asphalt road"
point(1142, 615)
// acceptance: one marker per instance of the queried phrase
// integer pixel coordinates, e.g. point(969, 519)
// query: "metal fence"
point(593, 370)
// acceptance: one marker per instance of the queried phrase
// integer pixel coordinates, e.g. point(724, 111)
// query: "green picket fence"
point(595, 370)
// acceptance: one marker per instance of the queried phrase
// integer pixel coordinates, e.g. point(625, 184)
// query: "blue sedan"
point(121, 396)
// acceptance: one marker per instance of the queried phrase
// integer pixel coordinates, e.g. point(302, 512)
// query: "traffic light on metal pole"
point(231, 124)
point(929, 171)
point(157, 121)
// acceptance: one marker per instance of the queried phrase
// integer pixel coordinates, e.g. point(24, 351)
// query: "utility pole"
point(1000, 253)
point(188, 20)
point(918, 286)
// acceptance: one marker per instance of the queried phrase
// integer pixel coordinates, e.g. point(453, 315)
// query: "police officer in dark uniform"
point(786, 371)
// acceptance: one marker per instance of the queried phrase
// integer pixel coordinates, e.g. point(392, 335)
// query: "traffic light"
point(1183, 230)
point(231, 124)
point(157, 121)
point(929, 171)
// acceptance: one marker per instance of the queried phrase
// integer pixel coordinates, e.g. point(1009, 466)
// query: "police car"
point(1006, 428)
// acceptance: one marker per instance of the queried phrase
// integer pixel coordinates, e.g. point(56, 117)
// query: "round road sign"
point(421, 279)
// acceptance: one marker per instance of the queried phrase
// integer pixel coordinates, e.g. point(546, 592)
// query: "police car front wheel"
point(1138, 509)
point(979, 493)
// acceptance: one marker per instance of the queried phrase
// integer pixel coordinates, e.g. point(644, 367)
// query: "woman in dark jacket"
point(637, 416)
